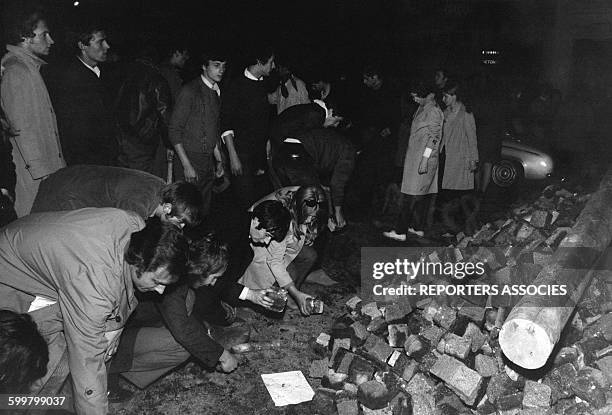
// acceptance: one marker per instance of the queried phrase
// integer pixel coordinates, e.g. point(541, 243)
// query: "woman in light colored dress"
point(420, 178)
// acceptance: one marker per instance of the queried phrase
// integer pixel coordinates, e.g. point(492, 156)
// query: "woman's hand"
point(423, 165)
point(260, 297)
point(301, 300)
point(236, 166)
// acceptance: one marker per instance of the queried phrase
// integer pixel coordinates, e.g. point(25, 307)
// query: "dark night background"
point(408, 37)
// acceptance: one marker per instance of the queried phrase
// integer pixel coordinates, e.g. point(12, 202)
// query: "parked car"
point(520, 161)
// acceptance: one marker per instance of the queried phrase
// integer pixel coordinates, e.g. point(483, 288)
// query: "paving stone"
point(458, 377)
point(500, 385)
point(339, 344)
point(540, 218)
point(398, 333)
point(323, 401)
point(433, 334)
point(333, 380)
point(509, 402)
point(373, 394)
point(409, 370)
point(323, 339)
point(416, 347)
point(589, 385)
point(566, 355)
point(559, 379)
point(423, 404)
point(360, 370)
point(319, 368)
point(367, 411)
point(378, 348)
point(397, 312)
point(345, 363)
point(474, 334)
point(536, 395)
point(445, 317)
point(457, 346)
point(359, 335)
point(401, 404)
point(420, 384)
point(398, 361)
point(371, 310)
point(473, 313)
point(377, 324)
point(350, 407)
point(605, 365)
point(353, 303)
point(486, 366)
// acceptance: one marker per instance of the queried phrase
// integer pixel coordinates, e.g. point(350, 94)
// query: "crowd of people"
point(112, 179)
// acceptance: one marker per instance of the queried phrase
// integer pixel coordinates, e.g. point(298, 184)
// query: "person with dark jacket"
point(194, 128)
point(165, 331)
point(8, 178)
point(142, 111)
point(324, 155)
point(81, 97)
point(245, 112)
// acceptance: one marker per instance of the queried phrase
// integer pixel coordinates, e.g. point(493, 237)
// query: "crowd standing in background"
point(150, 156)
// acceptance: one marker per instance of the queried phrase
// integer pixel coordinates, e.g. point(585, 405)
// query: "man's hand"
point(190, 174)
point(236, 166)
point(259, 297)
point(473, 165)
point(227, 362)
point(385, 132)
point(112, 337)
point(219, 170)
point(301, 300)
point(423, 165)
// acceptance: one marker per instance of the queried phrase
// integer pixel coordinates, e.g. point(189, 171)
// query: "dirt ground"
point(193, 390)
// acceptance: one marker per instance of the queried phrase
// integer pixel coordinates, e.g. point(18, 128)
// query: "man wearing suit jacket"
point(82, 103)
point(194, 127)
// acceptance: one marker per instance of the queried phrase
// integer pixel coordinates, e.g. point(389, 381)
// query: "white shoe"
point(420, 234)
point(394, 235)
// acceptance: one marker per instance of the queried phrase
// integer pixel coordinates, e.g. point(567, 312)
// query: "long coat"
point(459, 142)
point(426, 132)
point(75, 261)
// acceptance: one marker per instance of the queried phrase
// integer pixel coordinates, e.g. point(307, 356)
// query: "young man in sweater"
point(244, 121)
point(194, 128)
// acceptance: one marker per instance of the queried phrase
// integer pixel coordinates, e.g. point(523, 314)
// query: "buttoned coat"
point(425, 132)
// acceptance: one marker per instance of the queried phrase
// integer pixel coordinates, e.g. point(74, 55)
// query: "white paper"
point(288, 388)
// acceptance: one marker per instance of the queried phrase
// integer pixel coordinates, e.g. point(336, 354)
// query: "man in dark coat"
point(82, 102)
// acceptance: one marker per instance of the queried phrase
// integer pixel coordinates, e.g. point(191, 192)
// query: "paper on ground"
point(288, 388)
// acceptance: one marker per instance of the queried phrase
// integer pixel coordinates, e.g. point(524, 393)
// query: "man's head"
point(159, 255)
point(372, 77)
point(262, 61)
point(92, 45)
point(179, 55)
point(181, 204)
point(23, 353)
point(440, 78)
point(214, 63)
point(269, 221)
point(29, 30)
point(208, 259)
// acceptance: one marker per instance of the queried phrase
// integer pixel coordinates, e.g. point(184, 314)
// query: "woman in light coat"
point(420, 178)
point(459, 149)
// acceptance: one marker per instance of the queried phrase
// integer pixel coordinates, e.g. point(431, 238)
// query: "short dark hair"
point(207, 255)
point(186, 200)
point(22, 23)
point(458, 89)
point(260, 53)
point(213, 53)
point(273, 217)
point(422, 89)
point(83, 34)
point(23, 352)
point(158, 245)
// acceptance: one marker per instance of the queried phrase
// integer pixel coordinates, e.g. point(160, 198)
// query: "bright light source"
point(76, 3)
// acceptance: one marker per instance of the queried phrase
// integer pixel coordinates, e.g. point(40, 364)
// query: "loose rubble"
point(441, 356)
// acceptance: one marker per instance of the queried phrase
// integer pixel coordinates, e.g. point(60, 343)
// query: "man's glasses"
point(313, 203)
